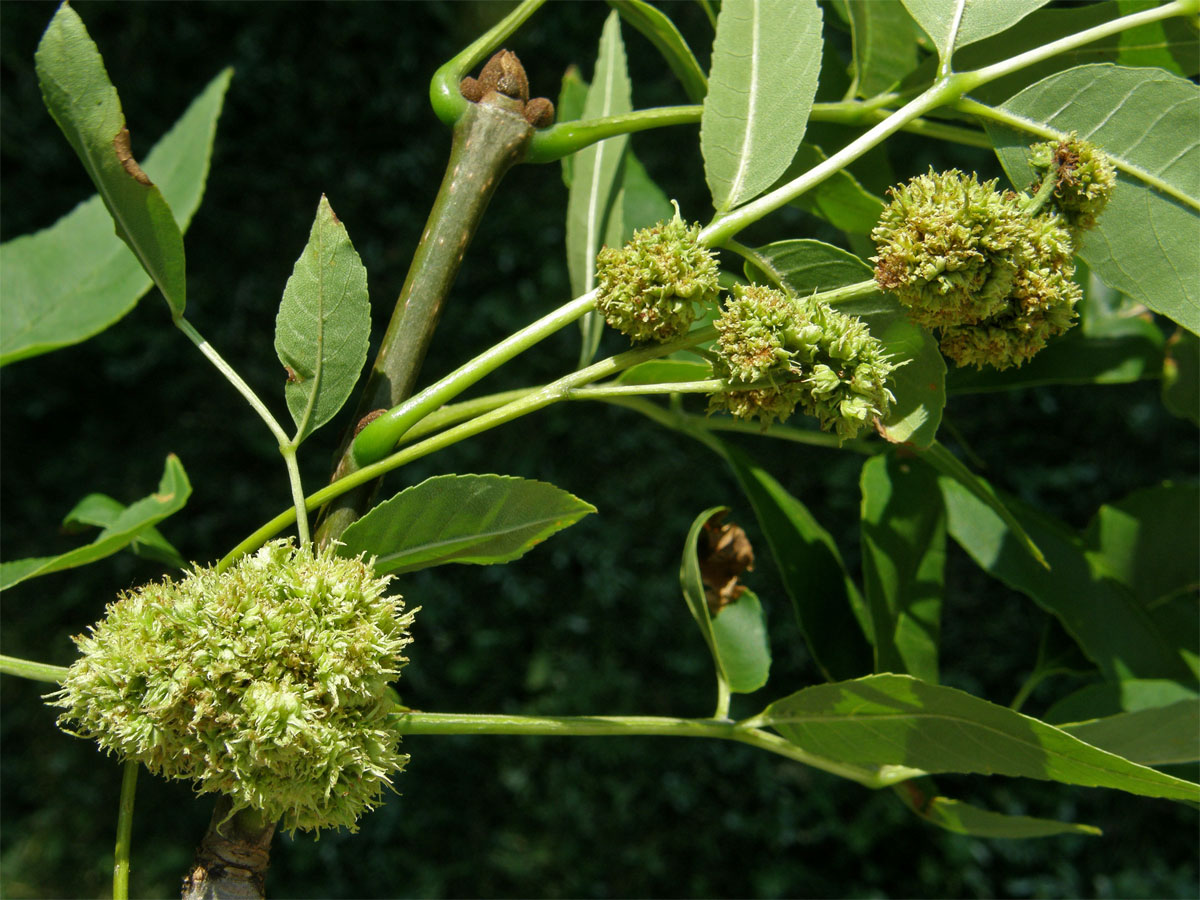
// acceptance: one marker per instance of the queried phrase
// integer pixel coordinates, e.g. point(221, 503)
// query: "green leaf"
point(1103, 616)
point(740, 629)
point(885, 49)
point(828, 605)
point(766, 58)
point(1144, 243)
point(173, 491)
point(595, 177)
point(951, 24)
point(904, 555)
point(1181, 376)
point(806, 266)
point(323, 325)
point(692, 585)
point(963, 818)
point(72, 280)
point(897, 720)
point(101, 511)
point(957, 473)
point(918, 384)
point(737, 635)
point(1097, 701)
point(479, 519)
point(84, 103)
point(572, 96)
point(1169, 44)
point(662, 33)
point(1153, 737)
point(1149, 541)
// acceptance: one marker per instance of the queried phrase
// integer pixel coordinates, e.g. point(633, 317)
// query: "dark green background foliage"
point(333, 98)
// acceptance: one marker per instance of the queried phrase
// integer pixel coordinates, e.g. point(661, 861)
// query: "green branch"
point(419, 723)
point(948, 90)
point(287, 446)
point(1020, 123)
point(121, 853)
point(379, 438)
point(530, 402)
point(35, 671)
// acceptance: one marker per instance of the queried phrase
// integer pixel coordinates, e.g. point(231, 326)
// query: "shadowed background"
point(332, 98)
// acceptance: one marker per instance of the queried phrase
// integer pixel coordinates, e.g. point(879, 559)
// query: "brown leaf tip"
point(128, 163)
point(725, 553)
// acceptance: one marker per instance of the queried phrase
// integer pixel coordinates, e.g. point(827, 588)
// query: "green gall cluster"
point(649, 289)
point(266, 682)
point(1082, 181)
point(798, 352)
point(974, 264)
point(945, 244)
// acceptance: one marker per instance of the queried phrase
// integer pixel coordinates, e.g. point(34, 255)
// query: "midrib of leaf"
point(475, 537)
point(114, 208)
point(955, 25)
point(594, 213)
point(863, 721)
point(1120, 162)
point(739, 176)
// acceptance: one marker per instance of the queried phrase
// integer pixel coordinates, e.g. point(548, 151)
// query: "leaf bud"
point(649, 289)
point(285, 710)
point(811, 356)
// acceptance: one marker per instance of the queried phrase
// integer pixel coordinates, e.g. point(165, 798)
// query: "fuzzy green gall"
point(945, 245)
point(809, 354)
point(267, 682)
point(650, 288)
point(973, 264)
point(1083, 181)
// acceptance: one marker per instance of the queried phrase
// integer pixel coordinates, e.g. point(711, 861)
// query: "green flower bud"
point(812, 356)
point(649, 288)
point(944, 244)
point(1084, 180)
point(267, 682)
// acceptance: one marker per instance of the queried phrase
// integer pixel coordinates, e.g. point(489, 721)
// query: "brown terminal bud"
point(504, 74)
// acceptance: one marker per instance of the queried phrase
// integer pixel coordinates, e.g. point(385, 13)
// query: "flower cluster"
point(649, 289)
point(983, 267)
point(808, 354)
point(267, 682)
